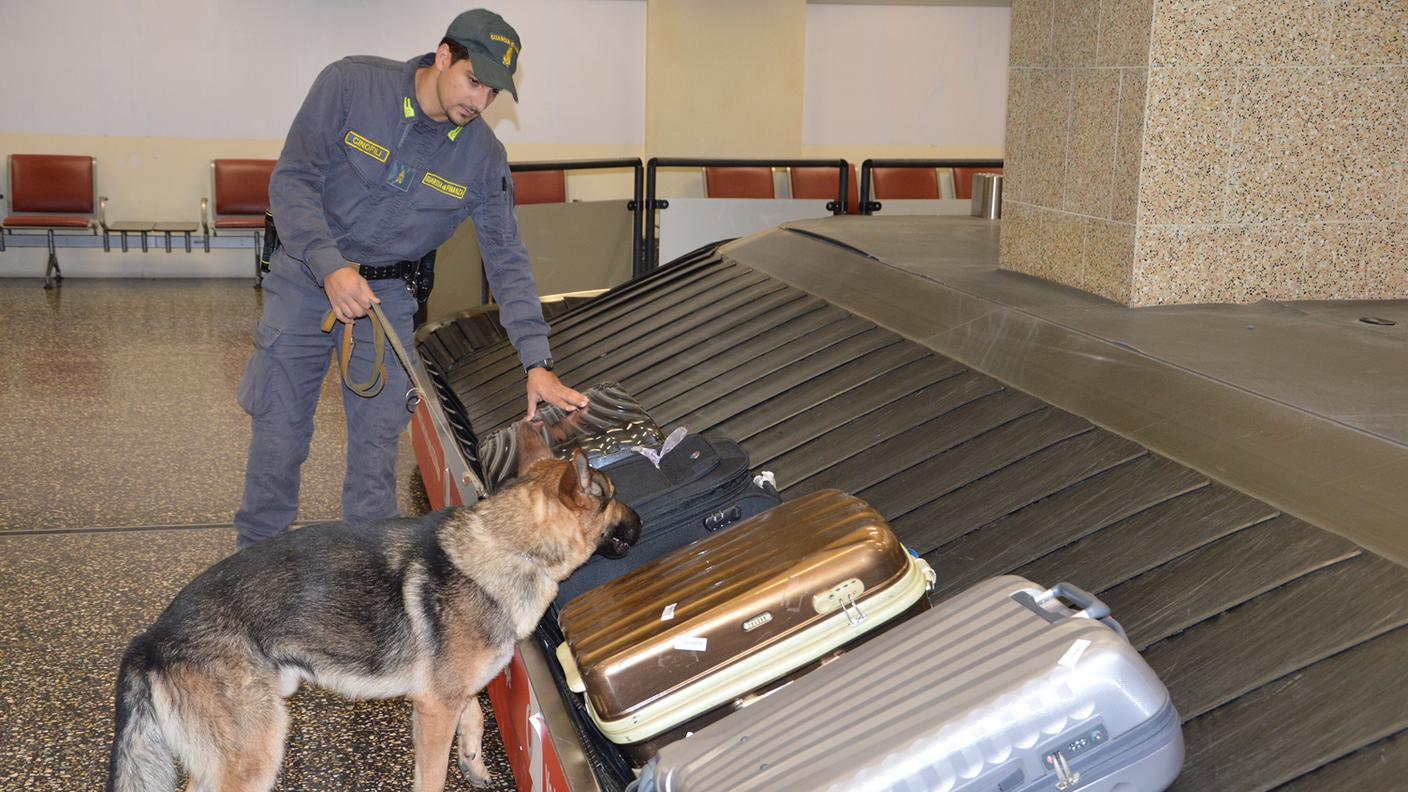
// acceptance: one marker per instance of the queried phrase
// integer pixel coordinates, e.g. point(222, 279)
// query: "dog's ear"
point(575, 477)
point(531, 446)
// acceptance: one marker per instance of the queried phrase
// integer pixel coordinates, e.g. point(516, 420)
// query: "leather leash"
point(383, 335)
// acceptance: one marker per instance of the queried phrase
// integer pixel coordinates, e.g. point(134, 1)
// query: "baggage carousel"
point(998, 434)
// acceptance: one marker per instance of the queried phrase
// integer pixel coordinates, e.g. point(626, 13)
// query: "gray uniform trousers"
point(280, 390)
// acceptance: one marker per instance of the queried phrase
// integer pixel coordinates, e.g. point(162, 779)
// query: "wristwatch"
point(545, 363)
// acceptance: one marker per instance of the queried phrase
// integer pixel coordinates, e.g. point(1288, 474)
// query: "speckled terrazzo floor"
point(121, 465)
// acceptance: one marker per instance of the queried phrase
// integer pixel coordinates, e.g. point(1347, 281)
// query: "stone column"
point(1188, 151)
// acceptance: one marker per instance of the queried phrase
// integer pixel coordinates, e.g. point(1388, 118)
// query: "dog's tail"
point(141, 761)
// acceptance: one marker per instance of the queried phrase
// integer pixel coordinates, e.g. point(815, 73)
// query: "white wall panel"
point(905, 75)
point(238, 69)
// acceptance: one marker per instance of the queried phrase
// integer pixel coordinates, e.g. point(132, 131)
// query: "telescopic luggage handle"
point(1090, 605)
point(1041, 603)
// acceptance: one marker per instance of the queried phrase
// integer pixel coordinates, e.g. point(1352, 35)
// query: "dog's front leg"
point(433, 729)
point(471, 753)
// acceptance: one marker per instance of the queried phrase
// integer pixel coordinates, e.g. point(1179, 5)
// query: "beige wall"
point(724, 77)
point(1177, 151)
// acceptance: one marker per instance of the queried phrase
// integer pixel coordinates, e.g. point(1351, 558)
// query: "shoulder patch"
point(374, 150)
point(441, 184)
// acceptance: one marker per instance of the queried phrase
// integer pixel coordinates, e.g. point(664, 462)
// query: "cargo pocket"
point(253, 392)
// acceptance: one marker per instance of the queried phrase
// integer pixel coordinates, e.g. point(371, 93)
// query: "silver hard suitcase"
point(1003, 688)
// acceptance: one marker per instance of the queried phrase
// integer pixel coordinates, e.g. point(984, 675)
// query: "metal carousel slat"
point(1026, 481)
point(683, 352)
point(1381, 765)
point(606, 307)
point(964, 557)
point(749, 419)
point(911, 488)
point(919, 381)
point(854, 357)
point(1281, 631)
point(1221, 575)
point(716, 355)
point(642, 319)
point(691, 388)
point(644, 353)
point(1292, 726)
point(608, 339)
point(872, 448)
point(1150, 538)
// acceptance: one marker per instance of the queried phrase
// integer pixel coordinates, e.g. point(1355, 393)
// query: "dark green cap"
point(493, 47)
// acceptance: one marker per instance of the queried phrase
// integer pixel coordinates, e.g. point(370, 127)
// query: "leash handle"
point(373, 386)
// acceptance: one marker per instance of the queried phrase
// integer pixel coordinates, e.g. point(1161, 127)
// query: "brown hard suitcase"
point(723, 618)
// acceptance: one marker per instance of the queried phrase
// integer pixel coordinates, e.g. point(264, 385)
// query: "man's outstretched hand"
point(544, 386)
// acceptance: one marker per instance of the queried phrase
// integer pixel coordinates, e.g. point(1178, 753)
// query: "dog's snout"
point(630, 525)
point(621, 535)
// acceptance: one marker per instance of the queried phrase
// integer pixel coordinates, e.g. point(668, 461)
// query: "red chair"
point(905, 183)
point(241, 190)
point(742, 182)
point(963, 180)
point(52, 193)
point(539, 187)
point(822, 183)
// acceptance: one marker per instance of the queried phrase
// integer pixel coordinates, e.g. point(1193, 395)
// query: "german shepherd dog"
point(427, 608)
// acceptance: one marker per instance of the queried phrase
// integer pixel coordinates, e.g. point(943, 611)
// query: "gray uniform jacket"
point(366, 177)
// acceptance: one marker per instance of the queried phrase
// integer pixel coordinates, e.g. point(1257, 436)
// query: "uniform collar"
point(408, 110)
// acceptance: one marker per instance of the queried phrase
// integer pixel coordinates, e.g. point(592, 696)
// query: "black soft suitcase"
point(700, 486)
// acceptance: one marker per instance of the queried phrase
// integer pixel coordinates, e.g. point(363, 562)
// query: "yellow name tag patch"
point(444, 185)
point(376, 152)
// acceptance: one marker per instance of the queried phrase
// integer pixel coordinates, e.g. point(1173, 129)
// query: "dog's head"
point(581, 496)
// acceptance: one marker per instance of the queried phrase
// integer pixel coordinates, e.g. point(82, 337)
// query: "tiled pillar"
point(1183, 151)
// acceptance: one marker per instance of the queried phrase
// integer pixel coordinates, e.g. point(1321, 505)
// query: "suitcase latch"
point(842, 597)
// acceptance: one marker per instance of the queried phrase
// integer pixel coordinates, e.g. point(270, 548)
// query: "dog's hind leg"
point(253, 762)
point(233, 725)
point(471, 751)
point(433, 728)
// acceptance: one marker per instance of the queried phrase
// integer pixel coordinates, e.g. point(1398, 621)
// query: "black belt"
point(401, 269)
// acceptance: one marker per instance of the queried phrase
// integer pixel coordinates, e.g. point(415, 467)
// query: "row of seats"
point(823, 183)
point(55, 192)
point(59, 192)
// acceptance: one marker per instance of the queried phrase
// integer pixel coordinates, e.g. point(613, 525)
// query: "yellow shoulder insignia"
point(375, 151)
point(440, 184)
point(406, 108)
point(454, 133)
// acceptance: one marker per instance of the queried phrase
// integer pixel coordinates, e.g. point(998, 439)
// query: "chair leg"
point(52, 273)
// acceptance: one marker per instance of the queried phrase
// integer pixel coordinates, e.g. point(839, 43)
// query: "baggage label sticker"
point(692, 643)
point(669, 612)
point(1073, 654)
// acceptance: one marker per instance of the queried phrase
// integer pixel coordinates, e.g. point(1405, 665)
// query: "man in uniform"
point(383, 162)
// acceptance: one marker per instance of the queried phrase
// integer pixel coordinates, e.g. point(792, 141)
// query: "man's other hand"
point(349, 294)
point(544, 386)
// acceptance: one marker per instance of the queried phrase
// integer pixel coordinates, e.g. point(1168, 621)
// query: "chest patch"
point(375, 151)
point(443, 185)
point(400, 176)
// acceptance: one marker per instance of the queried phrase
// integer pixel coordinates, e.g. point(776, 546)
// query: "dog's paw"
point(475, 772)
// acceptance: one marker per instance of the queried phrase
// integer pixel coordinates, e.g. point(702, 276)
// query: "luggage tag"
point(655, 455)
point(692, 643)
point(1073, 654)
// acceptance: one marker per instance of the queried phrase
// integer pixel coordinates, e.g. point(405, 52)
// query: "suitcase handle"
point(1090, 605)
